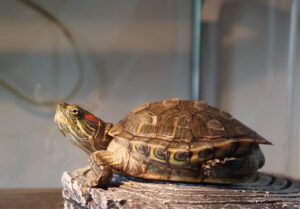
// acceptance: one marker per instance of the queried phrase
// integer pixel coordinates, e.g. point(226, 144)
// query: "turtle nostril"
point(62, 104)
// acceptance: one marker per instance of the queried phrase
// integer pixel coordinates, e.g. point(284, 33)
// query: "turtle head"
point(82, 127)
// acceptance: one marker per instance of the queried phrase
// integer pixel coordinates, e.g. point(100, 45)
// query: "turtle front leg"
point(103, 172)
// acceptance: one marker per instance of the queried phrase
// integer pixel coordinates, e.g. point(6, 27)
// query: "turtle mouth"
point(59, 116)
point(61, 121)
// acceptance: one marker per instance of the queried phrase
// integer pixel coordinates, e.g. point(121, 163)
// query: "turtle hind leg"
point(226, 171)
point(233, 169)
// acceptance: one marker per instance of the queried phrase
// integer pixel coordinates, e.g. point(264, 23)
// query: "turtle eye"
point(74, 111)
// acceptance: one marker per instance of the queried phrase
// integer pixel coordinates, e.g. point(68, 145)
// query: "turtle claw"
point(90, 183)
point(213, 163)
point(85, 189)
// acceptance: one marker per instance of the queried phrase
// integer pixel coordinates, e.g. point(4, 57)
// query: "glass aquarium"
point(109, 57)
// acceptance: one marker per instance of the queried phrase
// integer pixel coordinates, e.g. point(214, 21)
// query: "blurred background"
point(240, 56)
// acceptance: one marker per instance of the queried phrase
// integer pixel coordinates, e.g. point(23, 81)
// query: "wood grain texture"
point(266, 191)
point(31, 198)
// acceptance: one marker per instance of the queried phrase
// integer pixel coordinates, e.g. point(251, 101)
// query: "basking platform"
point(266, 191)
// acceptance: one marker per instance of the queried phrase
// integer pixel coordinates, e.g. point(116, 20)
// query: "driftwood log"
point(266, 191)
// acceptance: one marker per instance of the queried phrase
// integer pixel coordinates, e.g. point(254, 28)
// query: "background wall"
point(135, 53)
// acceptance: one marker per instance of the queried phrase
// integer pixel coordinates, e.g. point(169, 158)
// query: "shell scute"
point(140, 147)
point(117, 128)
point(140, 108)
point(178, 146)
point(226, 150)
point(206, 126)
point(244, 147)
point(235, 129)
point(200, 105)
point(215, 129)
point(125, 135)
point(142, 124)
point(159, 154)
point(161, 106)
point(179, 153)
point(226, 115)
point(155, 142)
point(181, 157)
point(141, 139)
point(175, 124)
point(192, 106)
point(201, 151)
point(158, 150)
point(199, 129)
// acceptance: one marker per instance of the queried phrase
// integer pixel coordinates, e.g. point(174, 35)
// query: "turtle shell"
point(182, 132)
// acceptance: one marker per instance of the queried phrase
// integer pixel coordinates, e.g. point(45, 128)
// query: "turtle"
point(169, 140)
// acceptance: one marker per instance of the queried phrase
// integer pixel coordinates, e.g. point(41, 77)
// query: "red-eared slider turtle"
point(174, 140)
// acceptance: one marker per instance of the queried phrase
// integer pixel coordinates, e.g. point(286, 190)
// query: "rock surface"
point(266, 191)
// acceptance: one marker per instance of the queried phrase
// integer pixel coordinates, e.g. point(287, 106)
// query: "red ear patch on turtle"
point(93, 119)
